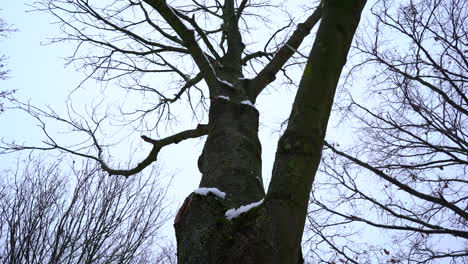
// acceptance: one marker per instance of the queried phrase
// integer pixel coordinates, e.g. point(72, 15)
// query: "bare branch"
point(439, 200)
point(188, 37)
point(268, 73)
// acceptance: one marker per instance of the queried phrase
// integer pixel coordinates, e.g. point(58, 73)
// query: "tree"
point(5, 30)
point(131, 40)
point(50, 216)
point(412, 146)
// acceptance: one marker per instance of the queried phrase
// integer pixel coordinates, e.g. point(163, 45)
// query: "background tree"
point(204, 48)
point(412, 147)
point(48, 215)
point(5, 30)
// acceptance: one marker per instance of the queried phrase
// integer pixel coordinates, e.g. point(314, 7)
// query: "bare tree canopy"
point(50, 216)
point(206, 54)
point(406, 175)
point(5, 30)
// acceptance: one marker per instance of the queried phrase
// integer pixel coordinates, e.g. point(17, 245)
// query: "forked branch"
point(201, 130)
point(268, 73)
point(76, 150)
point(188, 37)
point(438, 200)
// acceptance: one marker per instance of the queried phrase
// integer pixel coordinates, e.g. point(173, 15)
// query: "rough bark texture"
point(231, 158)
point(231, 161)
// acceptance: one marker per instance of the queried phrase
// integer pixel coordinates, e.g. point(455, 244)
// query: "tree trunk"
point(231, 162)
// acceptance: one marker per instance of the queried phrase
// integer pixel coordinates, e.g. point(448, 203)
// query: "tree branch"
point(233, 37)
point(255, 55)
point(201, 130)
point(458, 233)
point(401, 185)
point(51, 144)
point(201, 33)
point(268, 73)
point(188, 37)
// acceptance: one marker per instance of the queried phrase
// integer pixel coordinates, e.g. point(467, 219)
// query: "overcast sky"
point(38, 74)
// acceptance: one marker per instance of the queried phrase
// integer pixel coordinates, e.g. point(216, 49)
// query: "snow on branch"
point(215, 191)
point(233, 213)
point(247, 102)
point(226, 83)
point(223, 97)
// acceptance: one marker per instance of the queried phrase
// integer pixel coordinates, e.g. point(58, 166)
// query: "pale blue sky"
point(39, 75)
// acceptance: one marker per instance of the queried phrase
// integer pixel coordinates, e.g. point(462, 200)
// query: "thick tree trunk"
point(231, 162)
point(231, 158)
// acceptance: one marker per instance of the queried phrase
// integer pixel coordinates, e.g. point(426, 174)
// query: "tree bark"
point(231, 162)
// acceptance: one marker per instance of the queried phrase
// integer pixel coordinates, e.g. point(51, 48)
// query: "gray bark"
point(231, 159)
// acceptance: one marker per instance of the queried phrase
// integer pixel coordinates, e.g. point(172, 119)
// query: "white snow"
point(223, 97)
point(215, 191)
point(209, 63)
point(247, 102)
point(170, 8)
point(233, 213)
point(226, 82)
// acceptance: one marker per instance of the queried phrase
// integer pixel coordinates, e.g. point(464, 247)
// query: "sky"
point(39, 75)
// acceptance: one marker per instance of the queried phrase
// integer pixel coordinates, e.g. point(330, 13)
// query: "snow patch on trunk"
point(233, 213)
point(223, 97)
point(215, 191)
point(226, 82)
point(247, 102)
